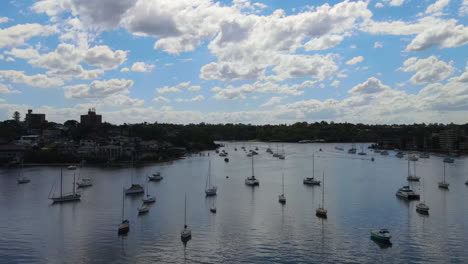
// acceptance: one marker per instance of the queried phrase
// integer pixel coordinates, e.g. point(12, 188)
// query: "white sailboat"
point(412, 177)
point(312, 180)
point(66, 197)
point(124, 226)
point(210, 190)
point(321, 211)
point(83, 182)
point(134, 188)
point(155, 177)
point(148, 198)
point(186, 233)
point(22, 179)
point(443, 184)
point(252, 181)
point(143, 209)
point(213, 207)
point(282, 198)
point(422, 207)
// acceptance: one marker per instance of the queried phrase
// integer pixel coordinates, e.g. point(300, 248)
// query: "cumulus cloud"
point(323, 43)
point(395, 2)
point(437, 6)
point(37, 80)
point(372, 85)
point(7, 89)
point(379, 5)
point(378, 45)
point(125, 69)
point(355, 60)
point(240, 92)
point(99, 89)
point(335, 84)
point(427, 70)
point(17, 35)
point(173, 89)
point(463, 11)
point(161, 99)
point(4, 19)
point(194, 99)
point(104, 57)
point(275, 100)
point(194, 88)
point(141, 67)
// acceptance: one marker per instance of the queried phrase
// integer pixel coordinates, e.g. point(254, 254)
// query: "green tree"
point(17, 116)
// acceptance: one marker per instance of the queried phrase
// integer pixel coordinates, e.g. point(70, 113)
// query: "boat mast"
point(185, 211)
point(408, 167)
point(73, 184)
point(313, 165)
point(123, 204)
point(282, 179)
point(253, 175)
point(207, 185)
point(323, 190)
point(444, 172)
point(61, 176)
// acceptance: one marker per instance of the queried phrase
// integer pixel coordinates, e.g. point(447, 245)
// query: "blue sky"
point(185, 61)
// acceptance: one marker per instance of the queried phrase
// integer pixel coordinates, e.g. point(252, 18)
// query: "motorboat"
point(339, 148)
point(23, 180)
point(71, 167)
point(124, 227)
point(85, 182)
point(422, 208)
point(226, 159)
point(155, 177)
point(311, 181)
point(143, 209)
point(406, 192)
point(252, 181)
point(149, 199)
point(282, 199)
point(381, 235)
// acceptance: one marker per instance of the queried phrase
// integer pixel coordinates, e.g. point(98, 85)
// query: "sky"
point(240, 61)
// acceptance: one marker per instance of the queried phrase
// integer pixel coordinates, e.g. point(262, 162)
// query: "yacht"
point(66, 197)
point(382, 235)
point(143, 209)
point(134, 189)
point(422, 208)
point(149, 199)
point(412, 177)
point(124, 226)
point(186, 233)
point(155, 177)
point(321, 211)
point(312, 180)
point(210, 190)
point(252, 181)
point(406, 192)
point(443, 184)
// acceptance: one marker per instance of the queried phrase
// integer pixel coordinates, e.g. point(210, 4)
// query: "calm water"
point(250, 225)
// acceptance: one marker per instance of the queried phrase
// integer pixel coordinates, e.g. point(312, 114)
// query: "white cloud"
point(437, 6)
point(168, 89)
point(260, 5)
point(355, 60)
point(18, 34)
point(352, 46)
point(10, 59)
point(141, 67)
point(335, 83)
point(194, 88)
point(28, 53)
point(37, 80)
point(104, 57)
point(463, 11)
point(4, 20)
point(427, 70)
point(194, 99)
point(395, 2)
point(161, 99)
point(7, 89)
point(378, 45)
point(99, 89)
point(323, 43)
point(379, 5)
point(240, 92)
point(372, 85)
point(275, 100)
point(125, 69)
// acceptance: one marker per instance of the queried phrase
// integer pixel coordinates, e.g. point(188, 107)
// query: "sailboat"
point(443, 184)
point(252, 181)
point(148, 198)
point(143, 209)
point(321, 211)
point(312, 180)
point(124, 226)
point(422, 207)
point(134, 188)
point(282, 198)
point(209, 189)
point(66, 197)
point(352, 150)
point(412, 177)
point(282, 155)
point(186, 233)
point(22, 179)
point(362, 151)
point(84, 182)
point(155, 177)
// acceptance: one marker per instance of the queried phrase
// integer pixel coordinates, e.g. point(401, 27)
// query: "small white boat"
point(134, 189)
point(85, 182)
point(412, 177)
point(149, 199)
point(143, 209)
point(210, 190)
point(71, 167)
point(155, 177)
point(281, 197)
point(382, 235)
point(124, 226)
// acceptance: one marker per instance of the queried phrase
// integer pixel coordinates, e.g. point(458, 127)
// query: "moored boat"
point(406, 192)
point(381, 235)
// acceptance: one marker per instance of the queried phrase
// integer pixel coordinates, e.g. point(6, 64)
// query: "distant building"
point(11, 153)
point(29, 140)
point(448, 139)
point(34, 120)
point(91, 120)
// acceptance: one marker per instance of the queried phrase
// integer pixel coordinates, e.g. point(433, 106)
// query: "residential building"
point(91, 120)
point(33, 120)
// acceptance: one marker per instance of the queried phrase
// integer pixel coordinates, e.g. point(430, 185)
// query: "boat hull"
point(66, 198)
point(321, 212)
point(311, 182)
point(443, 185)
point(124, 228)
